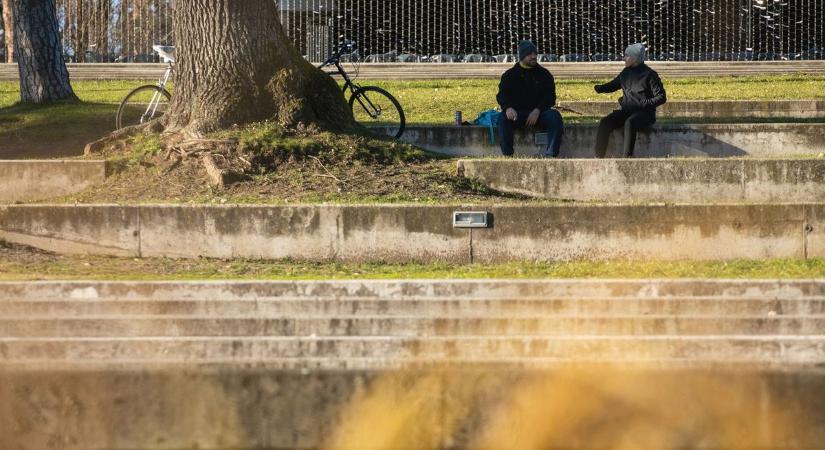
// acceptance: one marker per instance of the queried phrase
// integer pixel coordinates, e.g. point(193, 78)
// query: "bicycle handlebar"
point(347, 47)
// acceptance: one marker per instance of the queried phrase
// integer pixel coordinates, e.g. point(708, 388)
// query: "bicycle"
point(151, 101)
point(376, 107)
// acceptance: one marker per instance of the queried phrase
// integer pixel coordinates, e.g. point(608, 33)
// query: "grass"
point(19, 263)
point(62, 130)
point(435, 101)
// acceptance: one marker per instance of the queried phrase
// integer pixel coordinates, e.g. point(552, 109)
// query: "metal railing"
point(481, 30)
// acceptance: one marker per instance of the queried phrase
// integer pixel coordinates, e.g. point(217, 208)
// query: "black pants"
point(633, 121)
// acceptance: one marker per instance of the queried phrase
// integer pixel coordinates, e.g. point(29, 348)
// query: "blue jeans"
point(549, 121)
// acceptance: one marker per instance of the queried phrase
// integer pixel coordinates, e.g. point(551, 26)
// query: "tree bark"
point(8, 30)
point(236, 66)
point(43, 74)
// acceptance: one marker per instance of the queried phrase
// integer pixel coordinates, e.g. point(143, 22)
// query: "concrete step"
point(712, 108)
point(765, 140)
point(654, 180)
point(743, 349)
point(411, 290)
point(30, 180)
point(423, 307)
point(163, 326)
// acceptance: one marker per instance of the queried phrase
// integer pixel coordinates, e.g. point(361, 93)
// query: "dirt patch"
point(21, 254)
point(267, 164)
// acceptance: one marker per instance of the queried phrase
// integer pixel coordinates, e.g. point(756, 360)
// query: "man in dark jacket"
point(643, 93)
point(527, 94)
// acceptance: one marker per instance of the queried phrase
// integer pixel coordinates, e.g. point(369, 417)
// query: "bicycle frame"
point(364, 101)
point(335, 60)
point(152, 109)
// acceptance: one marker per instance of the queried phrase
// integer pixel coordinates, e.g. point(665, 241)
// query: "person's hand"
point(511, 114)
point(533, 118)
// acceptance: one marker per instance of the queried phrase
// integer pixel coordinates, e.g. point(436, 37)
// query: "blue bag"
point(489, 119)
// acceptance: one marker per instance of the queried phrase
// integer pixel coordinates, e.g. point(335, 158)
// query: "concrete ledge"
point(799, 109)
point(404, 233)
point(646, 180)
point(709, 140)
point(405, 291)
point(24, 181)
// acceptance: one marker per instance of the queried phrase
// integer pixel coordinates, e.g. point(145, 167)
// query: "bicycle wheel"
point(377, 109)
point(142, 105)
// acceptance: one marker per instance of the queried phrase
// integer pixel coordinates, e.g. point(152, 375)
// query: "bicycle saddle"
point(166, 52)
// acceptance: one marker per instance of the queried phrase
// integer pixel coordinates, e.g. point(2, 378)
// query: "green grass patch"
point(62, 130)
point(20, 263)
point(436, 101)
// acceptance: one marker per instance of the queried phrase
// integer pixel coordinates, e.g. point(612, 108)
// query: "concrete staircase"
point(172, 365)
point(356, 325)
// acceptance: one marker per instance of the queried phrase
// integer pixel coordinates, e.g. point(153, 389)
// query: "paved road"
point(424, 71)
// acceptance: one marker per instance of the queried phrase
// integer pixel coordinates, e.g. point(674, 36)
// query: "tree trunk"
point(8, 30)
point(235, 65)
point(101, 37)
point(43, 74)
point(81, 42)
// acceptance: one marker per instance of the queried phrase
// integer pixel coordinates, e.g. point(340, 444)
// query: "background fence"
point(477, 30)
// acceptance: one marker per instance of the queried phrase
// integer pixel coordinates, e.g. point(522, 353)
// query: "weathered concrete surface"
point(424, 233)
point(620, 291)
point(449, 384)
point(652, 180)
point(662, 140)
point(349, 233)
point(74, 229)
point(24, 181)
point(772, 109)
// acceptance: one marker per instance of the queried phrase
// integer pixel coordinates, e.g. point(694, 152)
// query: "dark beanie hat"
point(526, 48)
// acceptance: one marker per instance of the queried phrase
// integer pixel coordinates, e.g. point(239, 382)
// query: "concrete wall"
point(23, 181)
point(424, 233)
point(666, 180)
point(803, 109)
point(711, 140)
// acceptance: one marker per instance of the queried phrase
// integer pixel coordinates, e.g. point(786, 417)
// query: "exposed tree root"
point(217, 177)
point(119, 137)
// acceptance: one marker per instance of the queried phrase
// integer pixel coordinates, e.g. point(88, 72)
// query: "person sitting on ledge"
point(527, 94)
point(643, 93)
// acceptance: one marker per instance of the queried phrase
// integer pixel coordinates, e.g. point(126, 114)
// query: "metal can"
point(458, 118)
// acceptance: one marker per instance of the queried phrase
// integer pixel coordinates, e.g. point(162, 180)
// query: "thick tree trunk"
point(43, 74)
point(8, 30)
point(236, 66)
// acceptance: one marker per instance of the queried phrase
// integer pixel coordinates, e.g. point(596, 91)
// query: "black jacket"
point(527, 89)
point(641, 86)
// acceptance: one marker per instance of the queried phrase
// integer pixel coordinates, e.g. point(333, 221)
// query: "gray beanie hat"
point(526, 48)
point(636, 50)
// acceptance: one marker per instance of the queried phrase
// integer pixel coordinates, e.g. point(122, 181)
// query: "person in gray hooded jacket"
point(642, 91)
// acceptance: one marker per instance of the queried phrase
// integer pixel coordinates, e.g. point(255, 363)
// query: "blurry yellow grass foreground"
point(574, 408)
